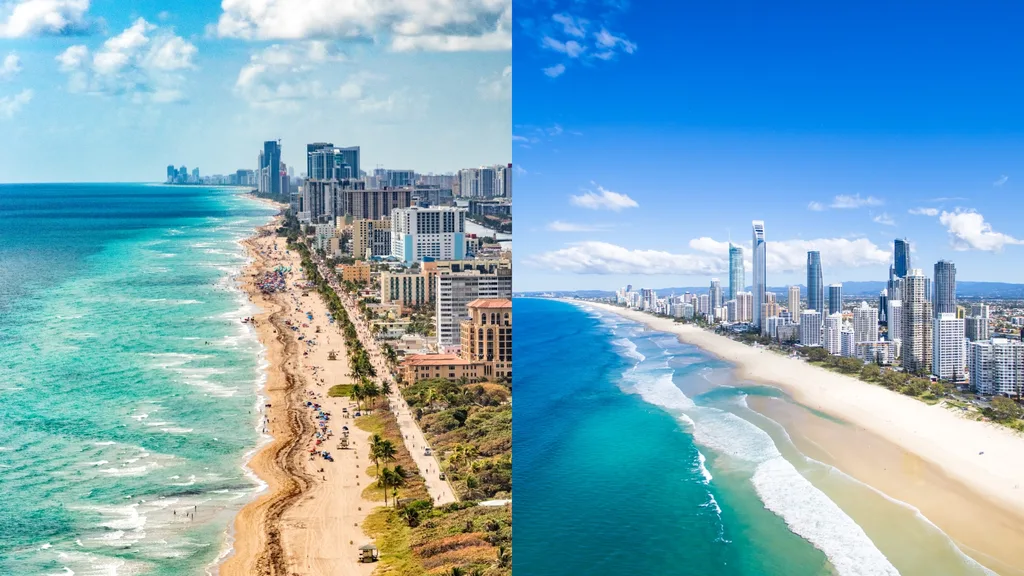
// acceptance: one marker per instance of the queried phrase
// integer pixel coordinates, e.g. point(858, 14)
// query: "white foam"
point(629, 348)
point(704, 469)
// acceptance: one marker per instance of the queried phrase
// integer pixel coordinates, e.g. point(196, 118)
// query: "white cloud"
point(555, 71)
point(498, 87)
point(924, 211)
point(435, 25)
point(611, 42)
point(11, 105)
point(791, 255)
point(570, 48)
point(22, 18)
point(144, 61)
point(10, 66)
point(282, 75)
point(968, 230)
point(816, 206)
point(559, 226)
point(603, 200)
point(1001, 180)
point(885, 219)
point(594, 257)
point(571, 25)
point(855, 201)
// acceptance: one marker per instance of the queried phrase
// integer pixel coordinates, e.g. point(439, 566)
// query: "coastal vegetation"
point(387, 448)
point(460, 538)
point(470, 428)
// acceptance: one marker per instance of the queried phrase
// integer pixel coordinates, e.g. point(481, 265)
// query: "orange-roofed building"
point(487, 337)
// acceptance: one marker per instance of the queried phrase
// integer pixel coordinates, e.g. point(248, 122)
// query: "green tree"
point(411, 516)
point(1005, 409)
point(870, 372)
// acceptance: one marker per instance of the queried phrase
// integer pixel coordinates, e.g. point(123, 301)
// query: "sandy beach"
point(964, 476)
point(308, 519)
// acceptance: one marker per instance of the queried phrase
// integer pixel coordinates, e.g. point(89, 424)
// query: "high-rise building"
point(815, 286)
point(760, 272)
point(997, 366)
point(736, 279)
point(901, 257)
point(311, 172)
point(364, 240)
point(172, 173)
point(917, 325)
point(944, 298)
point(883, 306)
point(794, 302)
point(848, 346)
point(436, 233)
point(744, 306)
point(895, 316)
point(949, 361)
point(835, 298)
point(715, 293)
point(865, 323)
point(455, 290)
point(810, 328)
point(832, 333)
point(272, 163)
point(980, 309)
point(976, 328)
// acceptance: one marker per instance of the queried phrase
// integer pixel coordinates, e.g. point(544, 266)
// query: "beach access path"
point(309, 519)
point(440, 491)
point(981, 507)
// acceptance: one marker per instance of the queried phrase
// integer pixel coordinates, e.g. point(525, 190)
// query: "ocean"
point(637, 454)
point(128, 385)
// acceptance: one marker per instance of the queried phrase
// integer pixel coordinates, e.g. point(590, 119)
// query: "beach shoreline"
point(964, 490)
point(307, 518)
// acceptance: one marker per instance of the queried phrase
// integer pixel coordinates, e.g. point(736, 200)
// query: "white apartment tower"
point(810, 328)
point(422, 234)
point(865, 323)
point(917, 324)
point(832, 334)
point(794, 302)
point(997, 366)
point(949, 356)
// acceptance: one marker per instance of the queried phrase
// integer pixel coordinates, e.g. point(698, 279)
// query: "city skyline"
point(629, 183)
point(200, 83)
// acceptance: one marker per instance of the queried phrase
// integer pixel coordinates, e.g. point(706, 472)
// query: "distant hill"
point(967, 290)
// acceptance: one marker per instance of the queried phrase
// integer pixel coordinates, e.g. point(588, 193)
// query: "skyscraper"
point(736, 279)
point(917, 325)
point(715, 292)
point(760, 272)
point(272, 163)
point(815, 287)
point(949, 358)
point(865, 324)
point(794, 303)
point(944, 298)
point(901, 257)
point(835, 298)
point(312, 172)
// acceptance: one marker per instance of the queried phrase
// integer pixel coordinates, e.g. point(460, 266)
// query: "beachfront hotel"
point(917, 324)
point(487, 337)
point(435, 233)
point(997, 366)
point(949, 361)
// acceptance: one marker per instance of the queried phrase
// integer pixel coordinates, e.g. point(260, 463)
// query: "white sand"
point(934, 433)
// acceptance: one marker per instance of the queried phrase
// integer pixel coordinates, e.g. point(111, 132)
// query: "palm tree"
point(411, 516)
point(386, 451)
point(504, 556)
point(386, 479)
point(456, 571)
point(385, 388)
point(375, 442)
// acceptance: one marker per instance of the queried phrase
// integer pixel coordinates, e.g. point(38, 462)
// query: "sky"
point(647, 135)
point(105, 90)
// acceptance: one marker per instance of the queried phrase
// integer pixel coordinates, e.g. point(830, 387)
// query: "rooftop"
point(435, 360)
point(490, 303)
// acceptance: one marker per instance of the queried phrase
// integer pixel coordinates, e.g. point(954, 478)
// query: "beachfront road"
point(415, 442)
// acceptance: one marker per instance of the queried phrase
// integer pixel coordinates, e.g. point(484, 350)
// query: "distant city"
point(915, 324)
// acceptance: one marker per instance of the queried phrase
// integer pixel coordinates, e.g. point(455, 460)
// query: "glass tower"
point(760, 273)
point(815, 287)
point(944, 294)
point(736, 280)
point(901, 257)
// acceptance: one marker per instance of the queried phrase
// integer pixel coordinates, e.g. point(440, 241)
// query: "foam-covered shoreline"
point(936, 435)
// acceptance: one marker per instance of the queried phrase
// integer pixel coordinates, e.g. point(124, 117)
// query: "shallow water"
point(128, 385)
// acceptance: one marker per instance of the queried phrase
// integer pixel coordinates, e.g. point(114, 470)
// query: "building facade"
point(760, 272)
point(949, 354)
point(436, 233)
point(487, 337)
point(944, 296)
point(736, 272)
point(917, 332)
point(835, 299)
point(455, 290)
point(997, 366)
point(815, 287)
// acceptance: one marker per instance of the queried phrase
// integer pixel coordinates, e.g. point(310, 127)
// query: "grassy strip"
point(384, 423)
point(341, 390)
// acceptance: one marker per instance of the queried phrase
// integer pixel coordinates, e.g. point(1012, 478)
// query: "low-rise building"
point(358, 272)
point(419, 367)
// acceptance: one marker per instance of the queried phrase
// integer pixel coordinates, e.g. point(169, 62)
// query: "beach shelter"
point(368, 553)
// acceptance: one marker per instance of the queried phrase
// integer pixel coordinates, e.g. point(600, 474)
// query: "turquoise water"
point(128, 385)
point(637, 454)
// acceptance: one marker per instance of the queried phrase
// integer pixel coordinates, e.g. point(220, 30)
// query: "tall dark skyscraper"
point(815, 287)
point(944, 294)
point(310, 148)
point(835, 298)
point(272, 161)
point(901, 257)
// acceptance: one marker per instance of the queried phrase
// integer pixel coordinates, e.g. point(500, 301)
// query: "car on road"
point(441, 476)
point(426, 451)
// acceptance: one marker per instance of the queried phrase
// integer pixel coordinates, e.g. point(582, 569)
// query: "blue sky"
point(104, 90)
point(648, 134)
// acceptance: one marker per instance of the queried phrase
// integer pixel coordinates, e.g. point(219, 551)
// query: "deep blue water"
point(128, 385)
